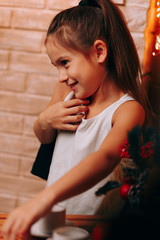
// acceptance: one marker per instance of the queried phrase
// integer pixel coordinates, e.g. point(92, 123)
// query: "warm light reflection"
point(158, 9)
point(157, 44)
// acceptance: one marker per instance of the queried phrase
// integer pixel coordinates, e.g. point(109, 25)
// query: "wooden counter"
point(83, 221)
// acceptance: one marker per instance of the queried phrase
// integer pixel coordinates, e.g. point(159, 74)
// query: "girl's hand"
point(18, 223)
point(21, 218)
point(63, 115)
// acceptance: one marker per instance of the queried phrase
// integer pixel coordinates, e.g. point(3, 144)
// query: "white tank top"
point(72, 147)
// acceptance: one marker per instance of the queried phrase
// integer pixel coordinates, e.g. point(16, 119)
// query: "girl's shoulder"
point(130, 110)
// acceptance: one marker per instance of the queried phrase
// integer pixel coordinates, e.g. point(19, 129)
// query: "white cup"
point(46, 224)
point(70, 233)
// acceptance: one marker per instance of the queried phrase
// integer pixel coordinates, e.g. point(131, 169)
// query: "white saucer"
point(36, 232)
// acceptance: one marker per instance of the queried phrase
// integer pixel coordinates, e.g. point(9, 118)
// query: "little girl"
point(97, 101)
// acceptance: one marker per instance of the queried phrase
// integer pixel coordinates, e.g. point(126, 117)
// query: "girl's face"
point(83, 75)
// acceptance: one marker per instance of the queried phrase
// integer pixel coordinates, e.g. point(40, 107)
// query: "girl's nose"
point(63, 77)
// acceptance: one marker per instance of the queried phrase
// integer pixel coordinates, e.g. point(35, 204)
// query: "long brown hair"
point(78, 28)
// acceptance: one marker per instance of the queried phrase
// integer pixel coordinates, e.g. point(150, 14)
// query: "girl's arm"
point(86, 174)
point(59, 115)
point(101, 163)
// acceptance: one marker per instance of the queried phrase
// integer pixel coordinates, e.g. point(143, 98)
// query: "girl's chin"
point(82, 96)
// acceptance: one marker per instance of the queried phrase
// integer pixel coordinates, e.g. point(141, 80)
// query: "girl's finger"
point(71, 127)
point(10, 232)
point(74, 118)
point(18, 230)
point(76, 109)
point(7, 230)
point(75, 102)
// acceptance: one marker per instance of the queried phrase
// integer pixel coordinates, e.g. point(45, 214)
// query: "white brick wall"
point(27, 80)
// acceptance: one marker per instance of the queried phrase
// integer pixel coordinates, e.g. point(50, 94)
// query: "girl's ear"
point(101, 50)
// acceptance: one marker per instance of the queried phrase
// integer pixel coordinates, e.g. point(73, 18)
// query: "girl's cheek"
point(71, 73)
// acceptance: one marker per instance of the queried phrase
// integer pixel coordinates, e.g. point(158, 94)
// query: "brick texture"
point(21, 40)
point(12, 81)
point(14, 123)
point(32, 19)
point(27, 80)
point(23, 4)
point(31, 63)
point(4, 59)
point(61, 4)
point(5, 17)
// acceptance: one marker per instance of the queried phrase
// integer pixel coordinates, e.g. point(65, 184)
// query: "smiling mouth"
point(73, 86)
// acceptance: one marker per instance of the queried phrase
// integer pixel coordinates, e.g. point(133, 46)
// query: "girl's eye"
point(64, 62)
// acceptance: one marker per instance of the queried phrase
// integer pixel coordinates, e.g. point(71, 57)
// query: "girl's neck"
point(103, 98)
point(108, 92)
